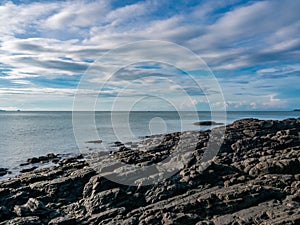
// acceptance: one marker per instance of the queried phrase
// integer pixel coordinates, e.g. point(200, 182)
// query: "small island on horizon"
point(3, 110)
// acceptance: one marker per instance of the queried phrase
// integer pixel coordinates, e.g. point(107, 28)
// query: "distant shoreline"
point(145, 111)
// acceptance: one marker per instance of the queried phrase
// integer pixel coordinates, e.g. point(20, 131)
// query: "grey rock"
point(29, 169)
point(254, 179)
point(3, 171)
point(208, 123)
point(94, 142)
point(63, 221)
point(32, 207)
point(271, 212)
point(29, 220)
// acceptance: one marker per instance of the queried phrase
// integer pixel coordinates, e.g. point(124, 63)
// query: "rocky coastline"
point(253, 179)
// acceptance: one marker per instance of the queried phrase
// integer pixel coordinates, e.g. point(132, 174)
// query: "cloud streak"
point(245, 43)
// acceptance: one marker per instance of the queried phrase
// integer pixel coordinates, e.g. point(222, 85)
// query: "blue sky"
point(251, 47)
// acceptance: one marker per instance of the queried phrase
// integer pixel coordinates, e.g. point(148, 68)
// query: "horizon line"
point(258, 110)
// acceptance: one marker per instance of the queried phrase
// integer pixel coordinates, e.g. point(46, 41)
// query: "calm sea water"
point(28, 134)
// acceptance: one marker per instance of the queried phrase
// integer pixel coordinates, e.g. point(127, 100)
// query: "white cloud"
point(74, 14)
point(11, 108)
point(16, 19)
point(128, 12)
point(34, 91)
point(255, 32)
point(280, 70)
point(274, 103)
point(42, 57)
point(62, 38)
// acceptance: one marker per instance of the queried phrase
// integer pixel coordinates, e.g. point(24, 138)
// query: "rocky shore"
point(253, 179)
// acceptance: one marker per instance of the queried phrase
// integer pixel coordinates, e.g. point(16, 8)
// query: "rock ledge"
point(254, 179)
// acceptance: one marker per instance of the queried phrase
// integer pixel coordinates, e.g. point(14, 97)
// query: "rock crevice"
point(254, 179)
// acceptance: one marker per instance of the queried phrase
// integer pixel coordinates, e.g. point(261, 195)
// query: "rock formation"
point(254, 179)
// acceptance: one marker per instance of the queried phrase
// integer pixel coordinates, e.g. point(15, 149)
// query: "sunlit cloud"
point(46, 47)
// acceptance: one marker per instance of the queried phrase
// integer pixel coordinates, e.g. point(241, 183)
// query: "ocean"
point(29, 134)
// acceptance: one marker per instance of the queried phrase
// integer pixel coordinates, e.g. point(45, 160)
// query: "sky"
point(53, 51)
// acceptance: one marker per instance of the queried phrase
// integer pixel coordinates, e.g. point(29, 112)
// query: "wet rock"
point(55, 160)
point(3, 171)
point(42, 159)
point(68, 161)
point(33, 160)
point(51, 156)
point(208, 123)
point(94, 142)
point(254, 179)
point(29, 169)
point(117, 144)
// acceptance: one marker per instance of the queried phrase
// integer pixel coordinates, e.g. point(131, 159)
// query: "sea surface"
point(29, 134)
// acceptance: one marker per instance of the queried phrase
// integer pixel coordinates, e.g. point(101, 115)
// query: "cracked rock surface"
point(254, 179)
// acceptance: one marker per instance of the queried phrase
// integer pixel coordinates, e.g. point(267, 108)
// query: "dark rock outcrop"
point(42, 159)
point(254, 179)
point(3, 171)
point(207, 123)
point(94, 142)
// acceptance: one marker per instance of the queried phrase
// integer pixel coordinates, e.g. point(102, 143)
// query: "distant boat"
point(296, 109)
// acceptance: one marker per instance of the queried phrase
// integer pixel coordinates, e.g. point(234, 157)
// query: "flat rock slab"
point(254, 179)
point(207, 123)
